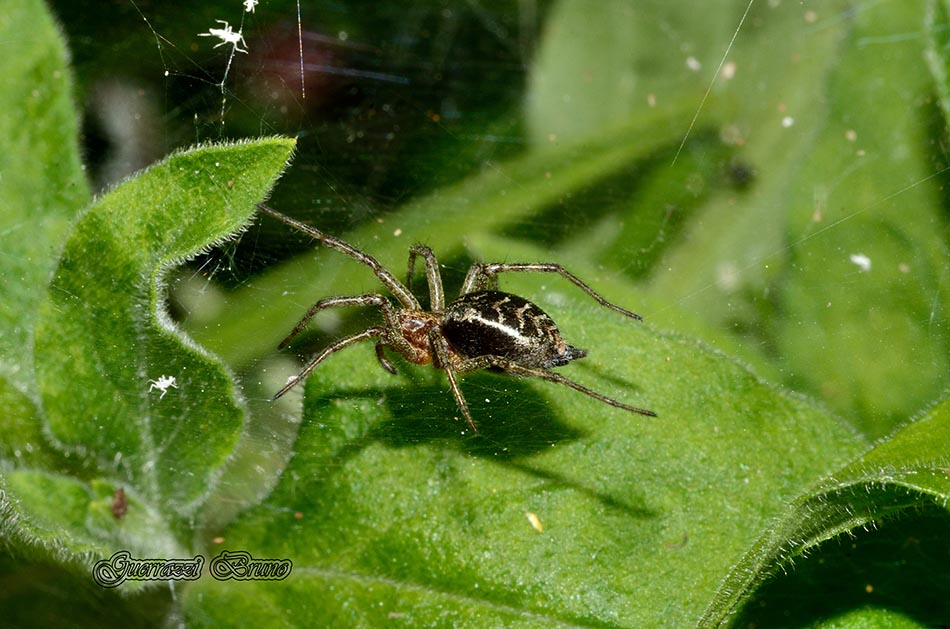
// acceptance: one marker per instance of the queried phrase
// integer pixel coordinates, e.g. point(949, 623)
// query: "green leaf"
point(23, 439)
point(101, 330)
point(43, 185)
point(104, 310)
point(871, 618)
point(903, 473)
point(50, 515)
point(896, 566)
point(390, 507)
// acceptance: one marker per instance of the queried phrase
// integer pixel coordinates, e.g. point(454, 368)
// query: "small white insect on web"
point(163, 384)
point(227, 36)
point(235, 38)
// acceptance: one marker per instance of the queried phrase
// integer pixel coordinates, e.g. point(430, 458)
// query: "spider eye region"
point(493, 323)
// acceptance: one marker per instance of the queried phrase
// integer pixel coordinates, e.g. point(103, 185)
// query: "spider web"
point(391, 104)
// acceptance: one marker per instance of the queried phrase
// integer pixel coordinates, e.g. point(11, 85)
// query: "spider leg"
point(484, 275)
point(399, 291)
point(510, 366)
point(443, 360)
point(370, 299)
point(479, 278)
point(374, 332)
point(436, 295)
point(385, 362)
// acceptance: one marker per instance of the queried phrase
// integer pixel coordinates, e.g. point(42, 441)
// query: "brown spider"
point(484, 328)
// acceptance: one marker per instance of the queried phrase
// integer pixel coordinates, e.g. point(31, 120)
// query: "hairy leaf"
point(897, 477)
point(105, 348)
point(391, 508)
point(43, 185)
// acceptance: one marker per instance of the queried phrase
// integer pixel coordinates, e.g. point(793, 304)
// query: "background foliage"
point(789, 253)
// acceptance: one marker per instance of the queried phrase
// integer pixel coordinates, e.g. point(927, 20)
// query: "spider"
point(483, 329)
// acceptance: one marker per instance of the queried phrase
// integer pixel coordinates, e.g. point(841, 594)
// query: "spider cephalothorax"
point(484, 328)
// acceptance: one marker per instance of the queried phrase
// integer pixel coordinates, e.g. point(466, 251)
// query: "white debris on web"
point(535, 521)
point(227, 36)
point(863, 262)
point(163, 384)
point(250, 5)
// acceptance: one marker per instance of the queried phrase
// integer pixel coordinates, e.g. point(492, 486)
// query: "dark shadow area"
point(626, 388)
point(939, 153)
point(555, 481)
point(41, 594)
point(903, 566)
point(514, 421)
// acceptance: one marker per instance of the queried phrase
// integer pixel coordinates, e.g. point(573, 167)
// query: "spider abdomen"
point(493, 323)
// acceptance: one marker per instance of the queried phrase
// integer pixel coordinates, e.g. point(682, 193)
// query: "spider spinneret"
point(484, 328)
